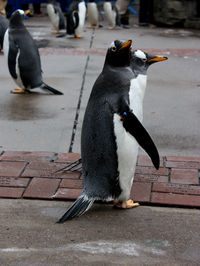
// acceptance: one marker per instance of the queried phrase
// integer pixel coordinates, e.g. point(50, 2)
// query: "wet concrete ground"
point(103, 236)
point(39, 122)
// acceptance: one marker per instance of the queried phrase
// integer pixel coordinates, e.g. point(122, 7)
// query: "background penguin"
point(56, 15)
point(23, 57)
point(110, 135)
point(93, 14)
point(76, 18)
point(111, 14)
point(3, 27)
point(140, 62)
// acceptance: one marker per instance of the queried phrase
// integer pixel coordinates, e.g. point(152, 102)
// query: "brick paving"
point(36, 175)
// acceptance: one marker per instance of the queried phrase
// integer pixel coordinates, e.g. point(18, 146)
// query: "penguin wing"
point(61, 18)
point(114, 8)
point(55, 8)
point(76, 19)
point(3, 28)
point(136, 129)
point(12, 57)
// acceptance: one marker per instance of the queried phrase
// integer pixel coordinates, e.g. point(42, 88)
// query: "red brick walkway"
point(34, 175)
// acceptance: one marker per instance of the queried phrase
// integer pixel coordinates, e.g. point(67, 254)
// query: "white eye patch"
point(21, 11)
point(112, 45)
point(140, 55)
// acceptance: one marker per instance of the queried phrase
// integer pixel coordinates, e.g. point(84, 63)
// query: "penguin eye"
point(144, 60)
point(114, 49)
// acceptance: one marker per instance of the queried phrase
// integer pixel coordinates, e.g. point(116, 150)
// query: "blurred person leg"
point(146, 13)
point(3, 4)
point(122, 6)
point(36, 9)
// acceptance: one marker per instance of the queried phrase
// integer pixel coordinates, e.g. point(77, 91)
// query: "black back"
point(58, 10)
point(98, 145)
point(3, 28)
point(22, 43)
point(72, 18)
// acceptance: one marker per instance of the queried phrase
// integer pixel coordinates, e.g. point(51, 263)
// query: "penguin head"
point(17, 17)
point(119, 53)
point(140, 61)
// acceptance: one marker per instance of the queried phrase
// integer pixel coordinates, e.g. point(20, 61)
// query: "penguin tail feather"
point(44, 86)
point(79, 207)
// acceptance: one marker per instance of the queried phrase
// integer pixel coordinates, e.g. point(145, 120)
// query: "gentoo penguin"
point(3, 28)
point(23, 57)
point(111, 133)
point(93, 14)
point(56, 15)
point(111, 14)
point(76, 18)
point(140, 62)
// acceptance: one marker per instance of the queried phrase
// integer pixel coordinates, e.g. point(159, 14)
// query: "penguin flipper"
point(47, 87)
point(12, 58)
point(117, 19)
point(137, 130)
point(76, 18)
point(80, 206)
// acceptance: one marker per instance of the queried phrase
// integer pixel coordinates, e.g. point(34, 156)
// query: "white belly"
point(18, 81)
point(127, 146)
point(109, 13)
point(93, 14)
point(81, 13)
point(54, 17)
point(6, 45)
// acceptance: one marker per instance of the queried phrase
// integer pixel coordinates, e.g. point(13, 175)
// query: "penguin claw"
point(78, 36)
point(18, 91)
point(95, 26)
point(129, 204)
point(55, 32)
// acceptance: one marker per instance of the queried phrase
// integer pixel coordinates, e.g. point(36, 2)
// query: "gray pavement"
point(103, 236)
point(37, 122)
point(45, 123)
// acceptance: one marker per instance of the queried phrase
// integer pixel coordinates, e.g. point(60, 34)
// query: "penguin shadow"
point(100, 210)
point(107, 212)
point(26, 107)
point(41, 43)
